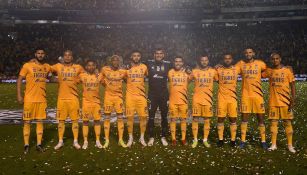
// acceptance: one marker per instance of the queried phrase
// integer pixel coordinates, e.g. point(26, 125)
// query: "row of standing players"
point(160, 73)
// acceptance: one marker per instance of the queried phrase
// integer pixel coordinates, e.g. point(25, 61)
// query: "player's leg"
point(244, 126)
point(27, 117)
point(206, 131)
point(232, 110)
point(97, 129)
point(287, 116)
point(195, 131)
point(106, 127)
point(130, 110)
point(164, 121)
point(220, 131)
point(274, 114)
point(173, 112)
point(261, 128)
point(85, 134)
point(40, 115)
point(142, 111)
point(153, 106)
point(61, 114)
point(183, 113)
point(85, 125)
point(120, 127)
point(233, 130)
point(207, 115)
point(74, 116)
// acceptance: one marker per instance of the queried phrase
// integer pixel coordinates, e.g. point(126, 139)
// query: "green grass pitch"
point(156, 159)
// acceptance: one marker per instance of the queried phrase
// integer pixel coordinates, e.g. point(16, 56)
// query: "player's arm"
point(19, 84)
point(293, 90)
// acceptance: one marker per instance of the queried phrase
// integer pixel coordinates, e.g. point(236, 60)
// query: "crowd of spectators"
point(144, 4)
point(18, 43)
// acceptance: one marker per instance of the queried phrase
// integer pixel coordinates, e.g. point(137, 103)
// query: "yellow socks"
point(97, 128)
point(233, 131)
point(130, 124)
point(75, 129)
point(39, 132)
point(289, 131)
point(206, 128)
point(85, 131)
point(106, 126)
point(61, 129)
point(220, 130)
point(183, 124)
point(243, 131)
point(274, 131)
point(261, 128)
point(173, 129)
point(143, 124)
point(26, 132)
point(195, 129)
point(120, 127)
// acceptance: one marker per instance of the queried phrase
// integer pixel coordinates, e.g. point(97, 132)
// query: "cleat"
point(26, 149)
point(264, 145)
point(59, 145)
point(174, 142)
point(207, 145)
point(85, 145)
point(220, 143)
point(98, 144)
point(273, 148)
point(184, 142)
point(76, 145)
point(130, 142)
point(164, 142)
point(142, 141)
point(291, 149)
point(233, 143)
point(151, 141)
point(194, 144)
point(39, 148)
point(122, 143)
point(106, 144)
point(242, 145)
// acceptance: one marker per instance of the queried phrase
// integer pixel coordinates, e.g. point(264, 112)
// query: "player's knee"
point(27, 122)
point(85, 123)
point(183, 119)
point(173, 119)
point(220, 119)
point(232, 119)
point(96, 122)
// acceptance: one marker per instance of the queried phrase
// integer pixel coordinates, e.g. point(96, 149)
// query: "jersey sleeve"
point(238, 67)
point(263, 66)
point(24, 70)
point(291, 76)
point(53, 68)
point(215, 77)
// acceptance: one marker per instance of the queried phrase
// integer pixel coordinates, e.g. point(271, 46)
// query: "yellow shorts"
point(68, 108)
point(138, 105)
point(178, 110)
point(280, 112)
point(252, 105)
point(34, 111)
point(113, 103)
point(225, 108)
point(91, 111)
point(200, 110)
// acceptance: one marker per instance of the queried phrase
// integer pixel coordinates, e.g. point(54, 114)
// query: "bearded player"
point(203, 76)
point(112, 78)
point(91, 102)
point(252, 95)
point(136, 98)
point(35, 103)
point(68, 98)
point(281, 103)
point(227, 102)
point(178, 99)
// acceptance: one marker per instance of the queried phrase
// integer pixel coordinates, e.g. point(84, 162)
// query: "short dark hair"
point(39, 48)
point(249, 48)
point(135, 51)
point(68, 50)
point(90, 60)
point(159, 48)
point(275, 53)
point(178, 56)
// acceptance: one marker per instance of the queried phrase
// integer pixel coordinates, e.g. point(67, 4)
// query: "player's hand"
point(20, 99)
